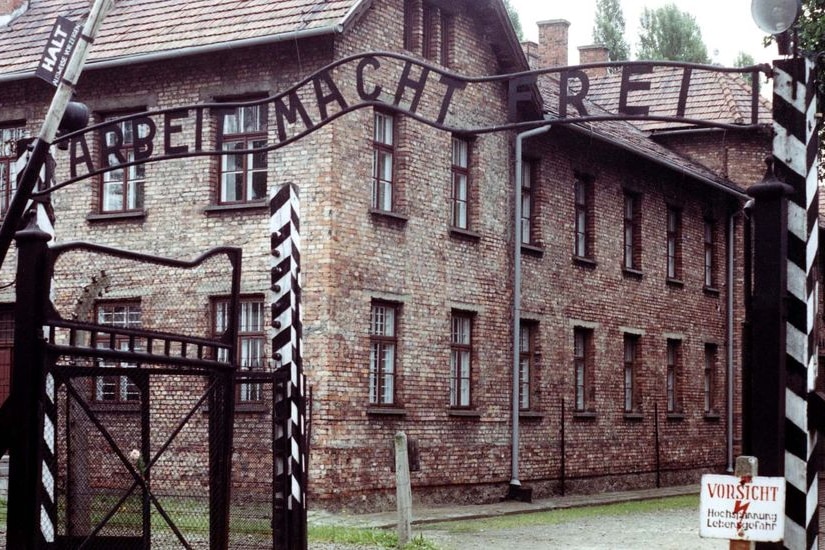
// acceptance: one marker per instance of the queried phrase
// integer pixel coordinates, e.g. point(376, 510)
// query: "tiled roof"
point(626, 135)
point(713, 95)
point(141, 27)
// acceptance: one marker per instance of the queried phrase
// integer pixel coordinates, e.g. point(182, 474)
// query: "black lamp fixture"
point(776, 17)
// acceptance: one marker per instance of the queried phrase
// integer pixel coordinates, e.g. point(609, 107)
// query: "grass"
point(3, 512)
point(551, 517)
point(378, 538)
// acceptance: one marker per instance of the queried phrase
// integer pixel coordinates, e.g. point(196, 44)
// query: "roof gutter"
point(337, 28)
point(741, 195)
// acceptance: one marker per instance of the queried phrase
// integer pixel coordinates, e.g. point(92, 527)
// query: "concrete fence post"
point(748, 467)
point(403, 491)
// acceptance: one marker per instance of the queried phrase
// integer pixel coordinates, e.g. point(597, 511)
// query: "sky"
point(727, 26)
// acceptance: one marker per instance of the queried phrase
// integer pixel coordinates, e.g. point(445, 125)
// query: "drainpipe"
point(515, 484)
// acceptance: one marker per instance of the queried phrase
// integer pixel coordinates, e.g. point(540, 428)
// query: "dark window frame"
point(257, 337)
point(379, 342)
point(133, 177)
point(631, 359)
point(124, 390)
point(527, 186)
point(583, 221)
point(459, 350)
point(527, 364)
point(709, 240)
point(381, 186)
point(709, 378)
point(251, 165)
point(673, 376)
point(674, 242)
point(583, 370)
point(459, 171)
point(632, 217)
point(10, 133)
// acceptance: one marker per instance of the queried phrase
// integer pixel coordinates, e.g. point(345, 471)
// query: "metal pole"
point(515, 484)
point(40, 150)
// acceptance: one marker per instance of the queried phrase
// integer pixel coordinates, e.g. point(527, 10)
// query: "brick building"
point(629, 334)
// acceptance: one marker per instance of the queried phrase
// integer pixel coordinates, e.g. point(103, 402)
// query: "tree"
point(609, 29)
point(812, 40)
point(668, 33)
point(514, 19)
point(744, 59)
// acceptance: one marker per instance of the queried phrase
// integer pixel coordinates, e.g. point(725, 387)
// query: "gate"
point(130, 444)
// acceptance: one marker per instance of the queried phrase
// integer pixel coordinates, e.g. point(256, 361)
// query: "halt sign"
point(742, 508)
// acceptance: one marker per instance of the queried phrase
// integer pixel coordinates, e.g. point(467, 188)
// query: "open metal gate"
point(124, 408)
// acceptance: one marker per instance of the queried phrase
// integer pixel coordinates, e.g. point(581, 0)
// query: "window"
point(527, 202)
point(251, 340)
point(674, 243)
point(115, 389)
point(122, 189)
point(429, 38)
point(446, 37)
point(8, 155)
point(709, 382)
point(583, 247)
point(710, 252)
point(674, 350)
point(631, 360)
point(409, 25)
point(382, 161)
point(583, 367)
point(383, 344)
point(460, 360)
point(243, 175)
point(461, 177)
point(632, 232)
point(527, 353)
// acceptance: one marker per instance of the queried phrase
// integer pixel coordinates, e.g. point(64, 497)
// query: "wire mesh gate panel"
point(135, 396)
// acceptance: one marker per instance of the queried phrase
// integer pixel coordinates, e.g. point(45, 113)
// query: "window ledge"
point(585, 262)
point(236, 207)
point(584, 415)
point(713, 416)
point(678, 283)
point(388, 215)
point(531, 415)
point(386, 411)
point(632, 273)
point(635, 416)
point(116, 216)
point(464, 234)
point(466, 413)
point(711, 291)
point(676, 416)
point(532, 250)
point(115, 406)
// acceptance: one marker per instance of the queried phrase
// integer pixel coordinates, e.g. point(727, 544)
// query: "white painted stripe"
point(50, 387)
point(796, 344)
point(798, 221)
point(48, 432)
point(48, 481)
point(796, 409)
point(794, 535)
point(296, 490)
point(813, 371)
point(795, 472)
point(813, 247)
point(792, 152)
point(783, 86)
point(813, 495)
point(46, 525)
point(797, 282)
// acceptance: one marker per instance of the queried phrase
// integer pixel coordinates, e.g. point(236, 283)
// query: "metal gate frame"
point(32, 510)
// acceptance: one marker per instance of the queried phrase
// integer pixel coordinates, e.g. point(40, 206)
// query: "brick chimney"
point(553, 43)
point(595, 53)
point(11, 9)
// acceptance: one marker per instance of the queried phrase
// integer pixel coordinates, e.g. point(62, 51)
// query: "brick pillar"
point(531, 51)
point(553, 42)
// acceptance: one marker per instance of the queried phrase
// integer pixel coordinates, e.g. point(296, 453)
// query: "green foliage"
point(514, 19)
point(609, 29)
point(667, 33)
point(743, 59)
point(812, 40)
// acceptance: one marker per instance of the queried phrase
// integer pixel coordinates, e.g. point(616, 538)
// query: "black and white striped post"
point(795, 147)
point(782, 419)
point(289, 400)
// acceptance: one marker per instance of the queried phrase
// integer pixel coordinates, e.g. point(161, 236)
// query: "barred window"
point(251, 340)
point(460, 360)
point(383, 345)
